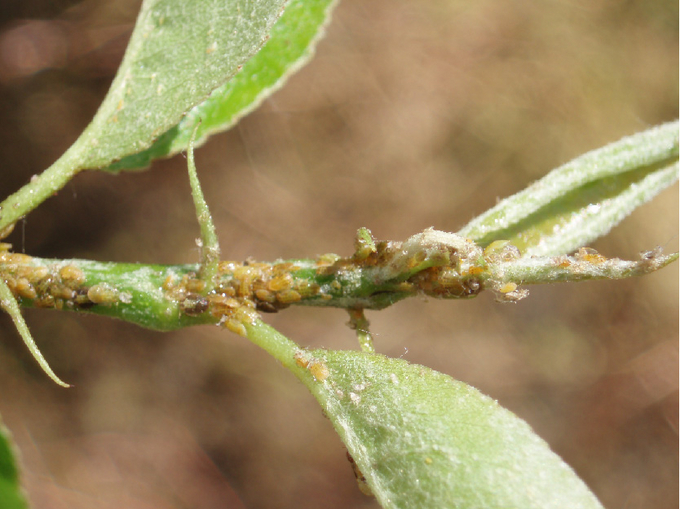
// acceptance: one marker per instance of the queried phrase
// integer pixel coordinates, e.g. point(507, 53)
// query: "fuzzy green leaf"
point(178, 54)
point(422, 439)
point(291, 44)
point(582, 200)
point(11, 495)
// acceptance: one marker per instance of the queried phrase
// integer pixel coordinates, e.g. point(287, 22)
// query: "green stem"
point(41, 187)
point(167, 297)
point(210, 246)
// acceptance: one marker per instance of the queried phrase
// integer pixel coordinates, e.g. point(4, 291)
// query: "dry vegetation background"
point(413, 114)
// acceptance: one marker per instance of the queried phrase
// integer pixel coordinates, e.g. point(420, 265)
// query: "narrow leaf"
point(11, 495)
point(582, 200)
point(291, 44)
point(11, 306)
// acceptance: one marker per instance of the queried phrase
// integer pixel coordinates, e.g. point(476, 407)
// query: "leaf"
point(422, 439)
point(178, 54)
point(582, 200)
point(11, 495)
point(292, 42)
point(10, 305)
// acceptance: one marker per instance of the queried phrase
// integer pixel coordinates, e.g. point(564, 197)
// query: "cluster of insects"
point(377, 274)
point(55, 286)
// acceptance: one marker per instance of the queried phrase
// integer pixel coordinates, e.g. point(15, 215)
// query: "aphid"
point(508, 287)
point(19, 259)
point(245, 275)
point(44, 301)
point(221, 305)
point(226, 267)
point(301, 359)
point(501, 250)
point(6, 230)
point(364, 244)
point(235, 326)
point(59, 291)
point(103, 293)
point(25, 289)
point(265, 295)
point(318, 369)
point(71, 275)
point(194, 305)
point(590, 255)
point(168, 283)
point(195, 285)
point(37, 274)
point(563, 261)
point(267, 307)
point(288, 296)
point(473, 271)
point(305, 288)
point(495, 248)
point(280, 283)
point(81, 299)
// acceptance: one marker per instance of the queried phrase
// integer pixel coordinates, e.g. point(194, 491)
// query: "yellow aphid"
point(301, 359)
point(225, 267)
point(25, 289)
point(265, 295)
point(508, 287)
point(495, 248)
point(195, 285)
point(103, 293)
point(245, 275)
point(6, 230)
point(62, 292)
point(36, 274)
point(44, 301)
point(20, 259)
point(280, 283)
point(288, 296)
point(71, 275)
point(306, 289)
point(318, 369)
point(235, 326)
point(588, 254)
point(169, 283)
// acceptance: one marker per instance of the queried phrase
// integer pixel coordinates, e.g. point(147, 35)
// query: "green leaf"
point(291, 44)
point(582, 200)
point(9, 304)
point(11, 495)
point(422, 439)
point(178, 54)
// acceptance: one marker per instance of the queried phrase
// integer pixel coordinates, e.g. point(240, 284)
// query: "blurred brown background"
point(413, 114)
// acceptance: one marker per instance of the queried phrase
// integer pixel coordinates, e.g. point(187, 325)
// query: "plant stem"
point(167, 297)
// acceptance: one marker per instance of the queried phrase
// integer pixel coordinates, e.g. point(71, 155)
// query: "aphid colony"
point(52, 286)
point(241, 290)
